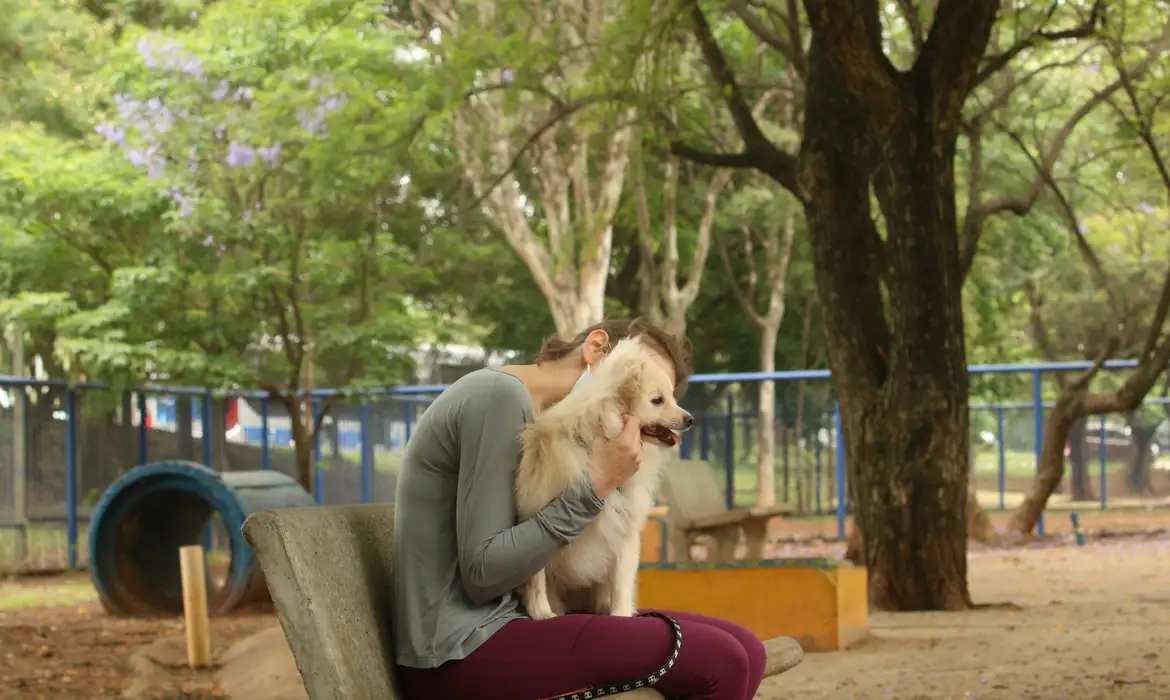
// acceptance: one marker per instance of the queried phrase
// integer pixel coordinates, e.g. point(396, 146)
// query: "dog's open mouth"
point(662, 434)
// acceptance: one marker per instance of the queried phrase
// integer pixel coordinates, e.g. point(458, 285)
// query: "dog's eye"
point(657, 400)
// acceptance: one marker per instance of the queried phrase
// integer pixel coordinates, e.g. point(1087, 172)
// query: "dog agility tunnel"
point(145, 516)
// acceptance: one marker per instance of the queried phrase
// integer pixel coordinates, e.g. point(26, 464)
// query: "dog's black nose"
point(688, 421)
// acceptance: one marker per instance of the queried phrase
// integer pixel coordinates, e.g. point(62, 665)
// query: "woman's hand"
point(616, 460)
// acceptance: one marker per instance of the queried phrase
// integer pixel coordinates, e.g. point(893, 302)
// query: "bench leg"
point(679, 542)
point(726, 540)
point(756, 534)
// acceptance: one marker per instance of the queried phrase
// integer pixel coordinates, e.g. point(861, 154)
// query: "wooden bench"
point(329, 570)
point(697, 509)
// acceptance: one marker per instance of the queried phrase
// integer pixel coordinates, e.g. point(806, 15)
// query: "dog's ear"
point(630, 388)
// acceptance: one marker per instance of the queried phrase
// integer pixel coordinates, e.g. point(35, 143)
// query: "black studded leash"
point(647, 682)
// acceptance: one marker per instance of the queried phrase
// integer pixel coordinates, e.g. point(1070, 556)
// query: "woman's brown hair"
point(674, 349)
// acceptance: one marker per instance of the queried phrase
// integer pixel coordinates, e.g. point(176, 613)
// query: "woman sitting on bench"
point(460, 631)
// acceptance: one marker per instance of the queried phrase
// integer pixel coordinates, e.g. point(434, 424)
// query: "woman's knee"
point(713, 664)
point(757, 655)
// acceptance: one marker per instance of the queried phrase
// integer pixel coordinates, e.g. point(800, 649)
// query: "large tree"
point(1130, 280)
point(889, 281)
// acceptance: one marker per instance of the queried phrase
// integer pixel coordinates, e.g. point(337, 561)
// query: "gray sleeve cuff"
point(568, 516)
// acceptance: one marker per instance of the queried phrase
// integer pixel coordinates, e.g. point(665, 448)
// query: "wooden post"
point(194, 577)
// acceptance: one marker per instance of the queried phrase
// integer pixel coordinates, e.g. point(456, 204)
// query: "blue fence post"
point(1103, 455)
point(265, 451)
point(71, 476)
point(729, 450)
point(687, 446)
point(408, 419)
point(1038, 439)
point(367, 453)
point(842, 486)
point(208, 458)
point(999, 441)
point(817, 448)
point(318, 477)
point(705, 438)
point(142, 429)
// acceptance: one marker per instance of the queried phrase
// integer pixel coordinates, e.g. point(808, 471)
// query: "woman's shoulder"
point(489, 386)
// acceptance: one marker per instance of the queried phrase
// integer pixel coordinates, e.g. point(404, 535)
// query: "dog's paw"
point(623, 611)
point(540, 612)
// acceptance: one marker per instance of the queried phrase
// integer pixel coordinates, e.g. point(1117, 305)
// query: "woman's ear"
point(595, 347)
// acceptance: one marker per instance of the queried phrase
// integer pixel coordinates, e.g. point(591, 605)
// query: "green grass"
point(26, 594)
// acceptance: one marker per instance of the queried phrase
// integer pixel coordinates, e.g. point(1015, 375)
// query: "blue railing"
point(408, 399)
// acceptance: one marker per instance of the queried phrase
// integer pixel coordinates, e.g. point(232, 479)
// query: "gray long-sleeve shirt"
point(458, 550)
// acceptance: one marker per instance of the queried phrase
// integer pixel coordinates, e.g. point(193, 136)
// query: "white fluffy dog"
point(597, 572)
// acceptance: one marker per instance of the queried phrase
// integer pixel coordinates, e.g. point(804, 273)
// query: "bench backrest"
point(692, 490)
point(330, 572)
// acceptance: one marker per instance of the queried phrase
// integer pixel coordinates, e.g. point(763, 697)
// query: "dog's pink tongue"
point(674, 437)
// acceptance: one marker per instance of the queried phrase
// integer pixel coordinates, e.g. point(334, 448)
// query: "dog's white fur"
point(597, 572)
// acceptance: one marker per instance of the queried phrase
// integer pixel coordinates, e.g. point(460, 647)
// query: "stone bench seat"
point(329, 571)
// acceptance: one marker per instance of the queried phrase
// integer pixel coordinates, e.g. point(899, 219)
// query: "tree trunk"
point(302, 445)
point(1078, 460)
point(1137, 472)
point(184, 417)
point(1058, 423)
point(899, 368)
point(766, 435)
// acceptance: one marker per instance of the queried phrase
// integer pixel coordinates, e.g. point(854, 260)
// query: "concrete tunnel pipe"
point(145, 516)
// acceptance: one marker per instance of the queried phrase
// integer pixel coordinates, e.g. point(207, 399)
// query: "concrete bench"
point(697, 509)
point(329, 570)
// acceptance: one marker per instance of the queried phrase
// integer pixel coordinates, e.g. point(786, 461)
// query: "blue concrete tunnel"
point(145, 516)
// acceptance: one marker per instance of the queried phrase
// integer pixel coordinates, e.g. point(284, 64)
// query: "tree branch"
point(979, 212)
point(1087, 28)
point(850, 32)
point(790, 46)
point(950, 58)
point(914, 23)
point(1072, 221)
point(759, 152)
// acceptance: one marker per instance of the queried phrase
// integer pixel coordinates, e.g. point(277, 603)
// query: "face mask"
point(585, 377)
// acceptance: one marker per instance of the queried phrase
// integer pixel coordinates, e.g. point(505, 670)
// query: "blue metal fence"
point(713, 439)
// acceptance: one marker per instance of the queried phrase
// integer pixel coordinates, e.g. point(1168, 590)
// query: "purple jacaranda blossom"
point(171, 56)
point(312, 120)
point(242, 94)
point(1083, 228)
point(209, 241)
point(334, 102)
point(111, 133)
point(1145, 208)
point(239, 155)
point(185, 201)
point(136, 157)
point(270, 154)
point(507, 76)
point(220, 130)
point(221, 91)
point(163, 119)
point(1092, 68)
point(192, 159)
point(126, 105)
point(156, 168)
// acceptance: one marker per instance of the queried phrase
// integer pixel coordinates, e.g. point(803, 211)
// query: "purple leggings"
point(530, 660)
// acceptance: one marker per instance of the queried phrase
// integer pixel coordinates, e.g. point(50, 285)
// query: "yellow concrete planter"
point(822, 603)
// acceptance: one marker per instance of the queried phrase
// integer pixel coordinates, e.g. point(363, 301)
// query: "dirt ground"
point(77, 651)
point(1094, 622)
